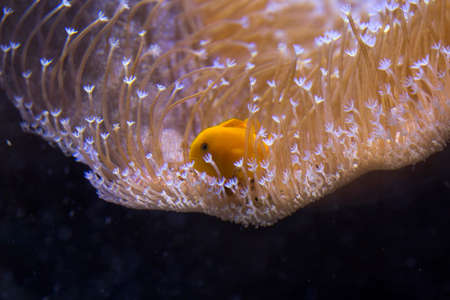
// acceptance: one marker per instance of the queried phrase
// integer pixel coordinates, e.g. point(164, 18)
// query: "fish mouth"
point(197, 158)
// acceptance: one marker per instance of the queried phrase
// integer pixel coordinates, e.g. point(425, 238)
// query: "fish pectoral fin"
point(237, 152)
point(236, 123)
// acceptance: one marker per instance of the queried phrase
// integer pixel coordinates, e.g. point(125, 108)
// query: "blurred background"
point(384, 236)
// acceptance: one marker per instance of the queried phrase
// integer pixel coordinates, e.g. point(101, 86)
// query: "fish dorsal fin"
point(236, 123)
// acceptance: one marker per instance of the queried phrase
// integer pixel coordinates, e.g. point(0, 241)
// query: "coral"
point(337, 89)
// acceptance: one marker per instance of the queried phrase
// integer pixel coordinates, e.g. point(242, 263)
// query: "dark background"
point(385, 236)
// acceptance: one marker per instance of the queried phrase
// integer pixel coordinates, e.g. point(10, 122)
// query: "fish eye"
point(204, 146)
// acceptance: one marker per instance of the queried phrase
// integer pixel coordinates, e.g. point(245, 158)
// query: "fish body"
point(226, 144)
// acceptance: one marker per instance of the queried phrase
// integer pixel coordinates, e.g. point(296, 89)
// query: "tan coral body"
point(337, 93)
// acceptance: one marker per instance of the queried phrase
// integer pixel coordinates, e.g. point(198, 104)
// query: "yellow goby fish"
point(225, 143)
